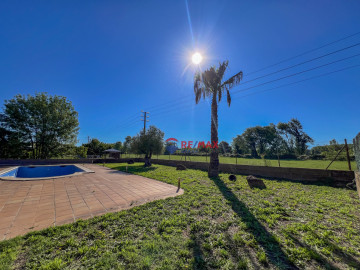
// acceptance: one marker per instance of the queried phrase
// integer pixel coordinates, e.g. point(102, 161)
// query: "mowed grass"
point(311, 164)
point(215, 224)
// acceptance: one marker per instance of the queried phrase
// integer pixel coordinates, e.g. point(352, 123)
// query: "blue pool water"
point(41, 171)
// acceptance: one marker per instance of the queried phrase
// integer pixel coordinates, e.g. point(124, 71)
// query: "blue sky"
point(113, 59)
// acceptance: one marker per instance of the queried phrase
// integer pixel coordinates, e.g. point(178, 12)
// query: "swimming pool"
point(42, 172)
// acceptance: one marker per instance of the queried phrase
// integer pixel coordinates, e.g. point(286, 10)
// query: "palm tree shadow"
point(315, 255)
point(236, 256)
point(272, 248)
point(198, 262)
point(346, 257)
point(132, 169)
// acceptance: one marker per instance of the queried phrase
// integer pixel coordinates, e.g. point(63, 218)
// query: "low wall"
point(298, 174)
point(357, 180)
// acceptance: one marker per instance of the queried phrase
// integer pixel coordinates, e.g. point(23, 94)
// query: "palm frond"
point(208, 83)
point(228, 97)
point(233, 81)
point(209, 78)
point(221, 71)
point(197, 97)
point(198, 87)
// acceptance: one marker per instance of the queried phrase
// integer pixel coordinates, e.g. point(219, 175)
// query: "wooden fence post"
point(347, 155)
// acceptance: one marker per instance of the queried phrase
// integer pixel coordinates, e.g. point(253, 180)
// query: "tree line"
point(149, 143)
point(284, 140)
point(44, 126)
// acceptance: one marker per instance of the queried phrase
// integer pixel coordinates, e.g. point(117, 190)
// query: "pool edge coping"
point(85, 171)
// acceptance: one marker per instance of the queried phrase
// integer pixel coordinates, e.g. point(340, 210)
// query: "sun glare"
point(197, 58)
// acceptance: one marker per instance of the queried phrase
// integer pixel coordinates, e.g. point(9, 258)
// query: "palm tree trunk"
point(214, 154)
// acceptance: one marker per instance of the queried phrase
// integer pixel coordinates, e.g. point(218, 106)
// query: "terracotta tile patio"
point(34, 205)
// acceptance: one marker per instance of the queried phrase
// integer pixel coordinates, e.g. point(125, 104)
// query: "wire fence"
point(311, 164)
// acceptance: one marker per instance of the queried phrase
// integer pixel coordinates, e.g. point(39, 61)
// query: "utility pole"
point(88, 139)
point(145, 119)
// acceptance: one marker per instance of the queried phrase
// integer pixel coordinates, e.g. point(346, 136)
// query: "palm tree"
point(209, 84)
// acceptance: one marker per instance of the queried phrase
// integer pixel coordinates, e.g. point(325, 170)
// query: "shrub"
point(180, 167)
point(131, 161)
point(317, 157)
point(303, 157)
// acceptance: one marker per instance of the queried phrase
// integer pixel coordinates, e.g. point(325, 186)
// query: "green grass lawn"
point(311, 164)
point(216, 224)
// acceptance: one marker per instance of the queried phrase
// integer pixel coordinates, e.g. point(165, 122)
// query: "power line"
point(283, 61)
point(297, 73)
point(299, 81)
point(157, 107)
point(129, 122)
point(270, 89)
point(304, 53)
point(181, 107)
point(307, 61)
point(277, 79)
point(284, 69)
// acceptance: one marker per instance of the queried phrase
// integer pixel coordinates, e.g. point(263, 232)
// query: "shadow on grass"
point(326, 182)
point(199, 262)
point(315, 255)
point(272, 248)
point(132, 169)
point(240, 258)
point(347, 258)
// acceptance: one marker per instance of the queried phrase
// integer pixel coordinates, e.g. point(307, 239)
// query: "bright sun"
point(197, 58)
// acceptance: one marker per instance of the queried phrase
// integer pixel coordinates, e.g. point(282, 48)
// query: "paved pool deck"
point(34, 205)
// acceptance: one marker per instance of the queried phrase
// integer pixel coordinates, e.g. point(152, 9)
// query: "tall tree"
point(259, 140)
point(11, 146)
point(224, 147)
point(251, 138)
point(81, 151)
point(210, 84)
point(118, 146)
point(43, 123)
point(96, 147)
point(297, 137)
point(265, 137)
point(149, 143)
point(239, 145)
point(127, 144)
